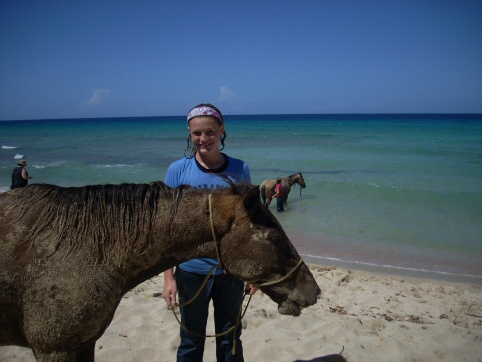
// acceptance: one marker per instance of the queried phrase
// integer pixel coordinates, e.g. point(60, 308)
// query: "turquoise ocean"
point(398, 193)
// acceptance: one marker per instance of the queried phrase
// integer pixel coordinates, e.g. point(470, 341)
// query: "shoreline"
point(363, 315)
point(392, 271)
point(330, 250)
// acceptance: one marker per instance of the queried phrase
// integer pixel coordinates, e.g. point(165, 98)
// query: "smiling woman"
point(206, 167)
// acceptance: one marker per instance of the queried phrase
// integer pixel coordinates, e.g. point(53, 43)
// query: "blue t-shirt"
point(187, 171)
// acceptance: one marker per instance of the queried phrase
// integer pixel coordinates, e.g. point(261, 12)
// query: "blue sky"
point(75, 59)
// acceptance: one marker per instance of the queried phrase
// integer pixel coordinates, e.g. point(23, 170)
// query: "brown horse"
point(68, 255)
point(268, 187)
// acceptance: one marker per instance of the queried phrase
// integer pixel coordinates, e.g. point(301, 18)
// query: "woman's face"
point(205, 134)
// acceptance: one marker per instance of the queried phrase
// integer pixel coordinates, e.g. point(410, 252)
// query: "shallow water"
point(403, 191)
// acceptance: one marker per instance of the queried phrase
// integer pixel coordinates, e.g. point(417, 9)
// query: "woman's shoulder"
point(181, 162)
point(238, 167)
point(177, 171)
point(237, 161)
point(180, 166)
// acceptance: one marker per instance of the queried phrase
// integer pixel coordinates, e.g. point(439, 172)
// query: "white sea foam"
point(9, 147)
point(398, 270)
point(52, 164)
point(18, 156)
point(114, 166)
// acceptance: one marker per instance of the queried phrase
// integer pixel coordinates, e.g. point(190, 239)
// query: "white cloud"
point(98, 96)
point(225, 94)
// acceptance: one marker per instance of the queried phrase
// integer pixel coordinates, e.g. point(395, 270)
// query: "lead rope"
point(218, 252)
point(220, 265)
point(281, 279)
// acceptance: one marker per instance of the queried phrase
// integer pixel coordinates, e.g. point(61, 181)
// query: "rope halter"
point(220, 264)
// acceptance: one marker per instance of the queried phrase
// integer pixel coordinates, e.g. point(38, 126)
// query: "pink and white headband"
point(204, 111)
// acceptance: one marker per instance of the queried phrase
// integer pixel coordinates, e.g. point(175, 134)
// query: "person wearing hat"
point(20, 175)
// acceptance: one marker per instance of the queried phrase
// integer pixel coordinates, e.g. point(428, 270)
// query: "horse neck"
point(292, 180)
point(181, 232)
point(189, 227)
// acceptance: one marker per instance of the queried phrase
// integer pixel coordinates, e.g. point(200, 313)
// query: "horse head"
point(300, 180)
point(257, 250)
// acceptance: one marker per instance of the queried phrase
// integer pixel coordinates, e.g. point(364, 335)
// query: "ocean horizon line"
point(468, 114)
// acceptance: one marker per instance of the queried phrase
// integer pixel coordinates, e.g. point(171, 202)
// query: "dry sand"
point(365, 316)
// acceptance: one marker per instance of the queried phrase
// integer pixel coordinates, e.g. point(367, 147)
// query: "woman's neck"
point(211, 162)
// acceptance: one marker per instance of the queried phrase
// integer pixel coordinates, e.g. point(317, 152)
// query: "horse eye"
point(274, 237)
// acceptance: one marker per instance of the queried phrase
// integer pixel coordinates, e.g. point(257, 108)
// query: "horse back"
point(12, 230)
point(18, 214)
point(268, 184)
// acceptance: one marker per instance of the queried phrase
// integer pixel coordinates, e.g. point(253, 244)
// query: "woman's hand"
point(249, 289)
point(170, 288)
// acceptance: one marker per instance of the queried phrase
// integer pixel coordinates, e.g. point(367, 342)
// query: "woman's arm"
point(25, 176)
point(170, 287)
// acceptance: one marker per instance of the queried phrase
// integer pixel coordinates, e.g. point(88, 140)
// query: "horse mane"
point(238, 188)
point(97, 215)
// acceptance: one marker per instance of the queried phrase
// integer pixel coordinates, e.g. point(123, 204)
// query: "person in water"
point(20, 175)
point(279, 196)
point(204, 167)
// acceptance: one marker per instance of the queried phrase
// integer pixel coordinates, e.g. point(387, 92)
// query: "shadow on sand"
point(329, 358)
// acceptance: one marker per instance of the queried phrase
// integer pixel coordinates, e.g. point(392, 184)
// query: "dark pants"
point(279, 204)
point(227, 294)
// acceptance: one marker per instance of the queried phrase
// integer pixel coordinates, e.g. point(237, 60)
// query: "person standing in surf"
point(279, 196)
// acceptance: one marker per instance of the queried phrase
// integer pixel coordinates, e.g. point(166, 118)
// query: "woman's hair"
point(190, 147)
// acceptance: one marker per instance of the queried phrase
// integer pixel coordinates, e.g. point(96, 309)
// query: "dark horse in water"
point(68, 255)
point(267, 187)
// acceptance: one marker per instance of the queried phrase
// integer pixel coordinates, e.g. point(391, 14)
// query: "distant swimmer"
point(20, 175)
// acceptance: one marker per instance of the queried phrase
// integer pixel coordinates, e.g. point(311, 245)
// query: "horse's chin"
point(288, 307)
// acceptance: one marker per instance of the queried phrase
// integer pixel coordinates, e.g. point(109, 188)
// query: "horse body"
point(68, 255)
point(267, 188)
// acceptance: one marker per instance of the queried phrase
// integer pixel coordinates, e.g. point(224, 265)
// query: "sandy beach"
point(362, 315)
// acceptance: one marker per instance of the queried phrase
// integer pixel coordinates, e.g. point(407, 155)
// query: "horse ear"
point(251, 201)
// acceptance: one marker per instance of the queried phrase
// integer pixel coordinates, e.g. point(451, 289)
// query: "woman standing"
point(20, 175)
point(279, 196)
point(202, 168)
